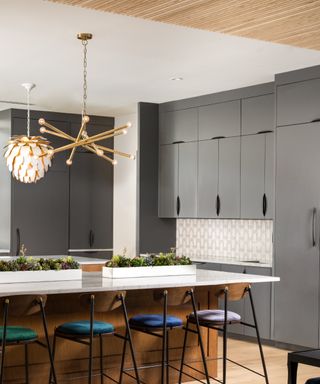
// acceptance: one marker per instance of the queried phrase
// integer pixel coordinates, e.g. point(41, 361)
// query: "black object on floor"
point(310, 357)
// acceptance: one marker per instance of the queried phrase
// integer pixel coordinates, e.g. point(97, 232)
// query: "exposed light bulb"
point(100, 152)
point(132, 157)
point(114, 162)
point(124, 131)
point(129, 124)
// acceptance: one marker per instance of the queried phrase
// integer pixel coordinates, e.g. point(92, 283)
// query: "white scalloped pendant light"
point(28, 157)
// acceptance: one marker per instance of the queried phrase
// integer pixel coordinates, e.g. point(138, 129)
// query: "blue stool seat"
point(154, 321)
point(16, 334)
point(215, 316)
point(313, 381)
point(82, 327)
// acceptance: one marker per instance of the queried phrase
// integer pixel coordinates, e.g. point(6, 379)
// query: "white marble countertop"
point(94, 282)
point(223, 261)
point(80, 259)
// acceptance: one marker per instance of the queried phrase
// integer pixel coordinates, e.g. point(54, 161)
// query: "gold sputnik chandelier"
point(83, 139)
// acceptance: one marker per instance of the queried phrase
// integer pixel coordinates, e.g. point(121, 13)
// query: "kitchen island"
point(63, 305)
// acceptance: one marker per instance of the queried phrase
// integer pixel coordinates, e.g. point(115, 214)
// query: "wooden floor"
point(248, 354)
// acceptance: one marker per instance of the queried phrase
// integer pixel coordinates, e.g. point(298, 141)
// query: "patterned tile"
point(231, 240)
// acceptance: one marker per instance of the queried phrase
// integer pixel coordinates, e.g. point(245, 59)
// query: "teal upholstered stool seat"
point(82, 327)
point(16, 334)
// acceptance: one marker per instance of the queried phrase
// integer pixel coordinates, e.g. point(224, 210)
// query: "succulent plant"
point(23, 263)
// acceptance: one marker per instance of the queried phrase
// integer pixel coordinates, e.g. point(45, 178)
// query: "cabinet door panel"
point(168, 180)
point(297, 260)
point(261, 294)
point(208, 178)
point(229, 177)
point(270, 174)
point(40, 212)
point(222, 119)
point(298, 102)
point(188, 156)
point(258, 114)
point(252, 176)
point(179, 125)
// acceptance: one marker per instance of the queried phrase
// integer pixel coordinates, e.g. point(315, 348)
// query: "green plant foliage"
point(23, 263)
point(162, 259)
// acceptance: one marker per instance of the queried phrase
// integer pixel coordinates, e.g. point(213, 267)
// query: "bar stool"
point(21, 306)
point(85, 331)
point(220, 320)
point(159, 325)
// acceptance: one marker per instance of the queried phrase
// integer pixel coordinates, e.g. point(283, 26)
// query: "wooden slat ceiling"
point(293, 22)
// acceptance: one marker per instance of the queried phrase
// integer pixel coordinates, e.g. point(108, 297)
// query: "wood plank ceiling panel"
point(293, 22)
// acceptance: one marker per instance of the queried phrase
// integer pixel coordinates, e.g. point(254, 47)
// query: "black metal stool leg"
point(45, 327)
point(129, 339)
point(26, 363)
point(199, 337)
point(91, 338)
point(123, 358)
point(164, 340)
point(183, 351)
point(101, 359)
point(167, 358)
point(53, 355)
point(258, 337)
point(225, 336)
point(4, 337)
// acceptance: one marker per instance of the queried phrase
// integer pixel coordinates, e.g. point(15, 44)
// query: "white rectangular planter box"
point(34, 276)
point(129, 272)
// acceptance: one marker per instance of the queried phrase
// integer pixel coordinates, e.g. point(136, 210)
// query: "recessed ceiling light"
point(176, 78)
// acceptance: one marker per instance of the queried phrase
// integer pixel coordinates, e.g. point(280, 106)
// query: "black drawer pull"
point(217, 137)
point(266, 131)
point(178, 142)
point(315, 120)
point(264, 204)
point(178, 206)
point(91, 238)
point(218, 205)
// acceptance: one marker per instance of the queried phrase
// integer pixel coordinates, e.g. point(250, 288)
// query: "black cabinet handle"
point(314, 214)
point(218, 205)
point(264, 204)
point(178, 142)
point(91, 238)
point(315, 120)
point(266, 131)
point(217, 137)
point(18, 242)
point(178, 206)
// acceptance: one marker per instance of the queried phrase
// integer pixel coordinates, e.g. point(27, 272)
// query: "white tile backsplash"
point(229, 240)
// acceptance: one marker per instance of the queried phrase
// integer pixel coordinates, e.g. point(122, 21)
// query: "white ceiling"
point(129, 60)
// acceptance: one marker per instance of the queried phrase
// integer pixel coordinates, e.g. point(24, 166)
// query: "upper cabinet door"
point(269, 175)
point(252, 176)
point(181, 125)
point(222, 119)
point(208, 178)
point(298, 102)
point(229, 178)
point(187, 198)
point(258, 114)
point(168, 180)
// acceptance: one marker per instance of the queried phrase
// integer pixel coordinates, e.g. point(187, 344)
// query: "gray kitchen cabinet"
point(178, 180)
point(168, 180)
point(180, 125)
point(261, 294)
point(257, 176)
point(39, 215)
point(297, 235)
point(209, 266)
point(91, 210)
point(219, 178)
point(298, 102)
point(258, 114)
point(235, 306)
point(208, 178)
point(187, 185)
point(221, 119)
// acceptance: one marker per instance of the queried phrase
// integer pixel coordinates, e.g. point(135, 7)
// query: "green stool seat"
point(82, 327)
point(16, 334)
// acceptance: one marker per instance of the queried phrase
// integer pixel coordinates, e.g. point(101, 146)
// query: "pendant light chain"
point(85, 86)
